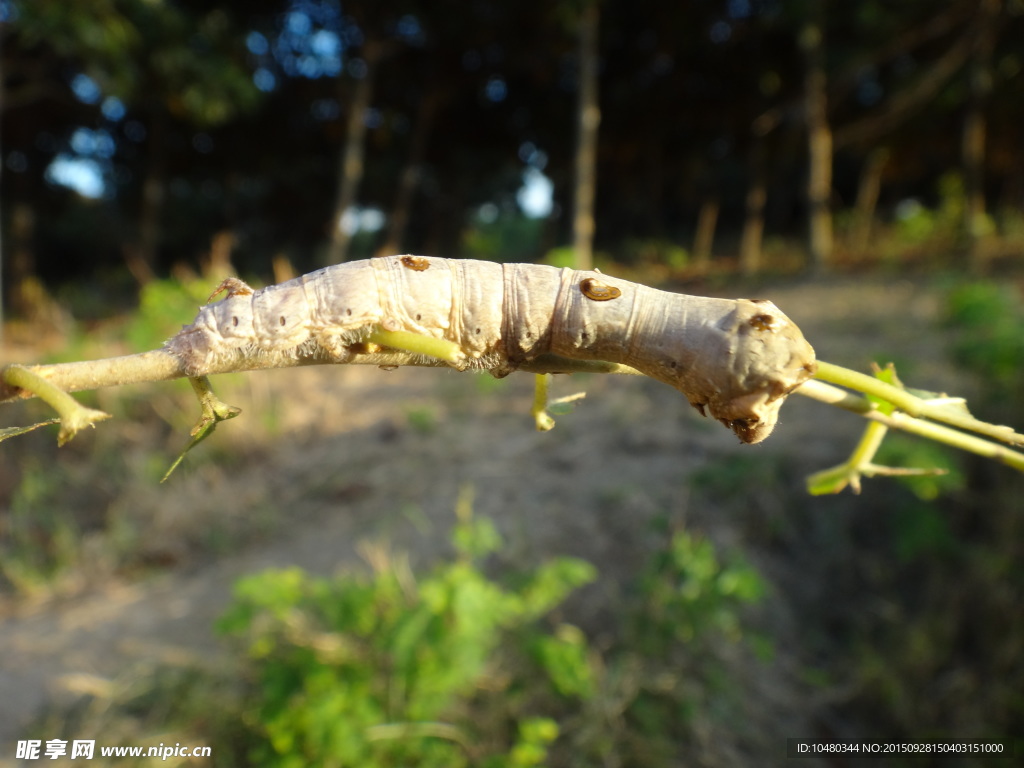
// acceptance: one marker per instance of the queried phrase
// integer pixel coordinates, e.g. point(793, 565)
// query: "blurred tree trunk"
point(282, 267)
point(408, 182)
point(867, 199)
point(21, 267)
point(218, 262)
point(589, 119)
point(149, 222)
point(140, 254)
point(3, 104)
point(973, 140)
point(704, 238)
point(753, 221)
point(30, 299)
point(350, 165)
point(819, 136)
point(445, 231)
point(907, 102)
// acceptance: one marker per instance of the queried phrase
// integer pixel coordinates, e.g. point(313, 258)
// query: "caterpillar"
point(738, 359)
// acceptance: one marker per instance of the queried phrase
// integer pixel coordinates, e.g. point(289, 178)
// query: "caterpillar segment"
point(733, 358)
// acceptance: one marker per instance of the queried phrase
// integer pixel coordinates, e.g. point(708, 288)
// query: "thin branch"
point(950, 410)
point(839, 398)
point(158, 365)
point(73, 415)
point(907, 100)
point(900, 44)
point(53, 382)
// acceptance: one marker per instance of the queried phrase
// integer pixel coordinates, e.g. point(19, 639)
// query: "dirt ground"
point(362, 454)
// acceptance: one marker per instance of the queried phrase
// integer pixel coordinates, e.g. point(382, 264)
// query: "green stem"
point(834, 479)
point(942, 434)
point(213, 412)
point(830, 395)
point(541, 382)
point(73, 415)
point(388, 731)
point(938, 410)
point(418, 344)
point(845, 377)
point(869, 444)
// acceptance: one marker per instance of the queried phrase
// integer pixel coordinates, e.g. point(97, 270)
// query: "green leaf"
point(565, 657)
point(8, 432)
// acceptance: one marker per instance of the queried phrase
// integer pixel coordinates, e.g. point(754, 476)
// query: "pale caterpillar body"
point(738, 358)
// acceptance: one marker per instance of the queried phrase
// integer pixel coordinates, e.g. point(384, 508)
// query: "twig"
point(159, 365)
point(839, 398)
point(53, 382)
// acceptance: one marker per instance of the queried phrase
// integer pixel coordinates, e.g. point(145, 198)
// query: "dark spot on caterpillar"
point(477, 331)
point(234, 321)
point(418, 317)
point(283, 321)
point(673, 364)
point(583, 336)
point(598, 291)
point(348, 312)
point(760, 301)
point(762, 322)
point(416, 263)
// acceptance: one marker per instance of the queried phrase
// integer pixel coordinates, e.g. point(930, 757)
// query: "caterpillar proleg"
point(736, 358)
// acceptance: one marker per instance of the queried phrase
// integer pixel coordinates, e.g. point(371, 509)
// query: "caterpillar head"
point(766, 357)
